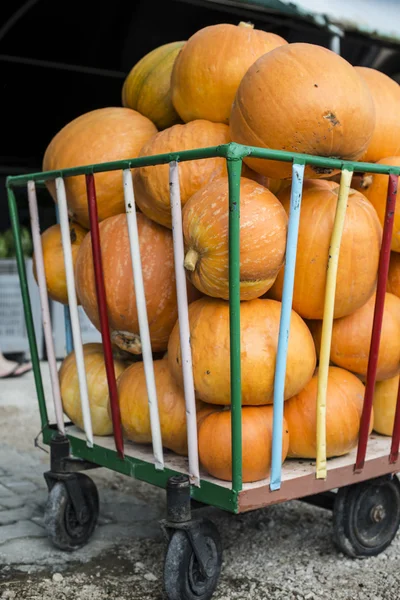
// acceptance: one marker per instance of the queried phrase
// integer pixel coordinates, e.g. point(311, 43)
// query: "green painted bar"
point(234, 171)
point(231, 151)
point(12, 205)
point(208, 493)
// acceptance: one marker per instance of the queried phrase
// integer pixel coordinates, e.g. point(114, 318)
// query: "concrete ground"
point(280, 553)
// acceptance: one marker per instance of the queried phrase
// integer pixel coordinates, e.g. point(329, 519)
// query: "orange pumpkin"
point(259, 320)
point(351, 338)
point(102, 135)
point(393, 284)
point(385, 94)
point(344, 402)
point(135, 415)
point(358, 259)
point(152, 183)
point(329, 116)
point(147, 88)
point(203, 87)
point(96, 379)
point(262, 239)
point(215, 439)
point(385, 400)
point(53, 258)
point(156, 252)
point(375, 187)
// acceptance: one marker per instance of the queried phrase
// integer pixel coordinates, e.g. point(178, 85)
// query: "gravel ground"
point(280, 553)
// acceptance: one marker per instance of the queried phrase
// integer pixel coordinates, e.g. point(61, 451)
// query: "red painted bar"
point(394, 450)
point(377, 322)
point(103, 314)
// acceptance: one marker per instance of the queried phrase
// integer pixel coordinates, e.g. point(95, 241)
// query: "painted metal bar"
point(284, 328)
point(103, 314)
point(69, 345)
point(13, 210)
point(73, 304)
point(69, 342)
point(394, 450)
point(231, 151)
point(234, 171)
point(134, 247)
point(327, 324)
point(383, 271)
point(45, 306)
point(184, 327)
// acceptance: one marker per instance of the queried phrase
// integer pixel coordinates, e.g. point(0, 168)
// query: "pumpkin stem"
point(244, 24)
point(125, 340)
point(366, 181)
point(191, 258)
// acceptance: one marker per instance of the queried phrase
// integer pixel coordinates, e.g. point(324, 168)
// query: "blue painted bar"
point(69, 343)
point(284, 328)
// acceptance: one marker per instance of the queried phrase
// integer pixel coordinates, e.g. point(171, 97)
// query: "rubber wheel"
point(60, 519)
point(366, 516)
point(183, 579)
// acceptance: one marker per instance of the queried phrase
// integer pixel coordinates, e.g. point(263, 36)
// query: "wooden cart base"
point(298, 476)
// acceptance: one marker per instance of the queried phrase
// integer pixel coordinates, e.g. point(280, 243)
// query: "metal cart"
point(366, 496)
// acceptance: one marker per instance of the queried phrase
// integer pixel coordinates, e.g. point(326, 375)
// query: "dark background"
point(59, 60)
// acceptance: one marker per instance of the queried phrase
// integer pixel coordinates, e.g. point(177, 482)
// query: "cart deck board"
point(298, 476)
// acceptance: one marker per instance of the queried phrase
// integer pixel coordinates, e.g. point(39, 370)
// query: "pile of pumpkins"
point(235, 83)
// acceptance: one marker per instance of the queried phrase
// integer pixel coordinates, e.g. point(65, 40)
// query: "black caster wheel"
point(366, 516)
point(183, 576)
point(63, 527)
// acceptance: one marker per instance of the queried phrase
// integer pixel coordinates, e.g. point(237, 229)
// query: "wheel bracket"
point(196, 538)
point(74, 491)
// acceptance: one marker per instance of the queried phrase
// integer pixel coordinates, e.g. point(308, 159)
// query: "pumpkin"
point(102, 135)
point(393, 283)
point(263, 228)
point(344, 402)
point(259, 322)
point(358, 259)
point(215, 439)
point(147, 87)
point(97, 385)
point(156, 252)
point(385, 94)
point(375, 187)
point(152, 183)
point(385, 400)
point(135, 414)
point(211, 65)
point(53, 258)
point(289, 100)
point(351, 339)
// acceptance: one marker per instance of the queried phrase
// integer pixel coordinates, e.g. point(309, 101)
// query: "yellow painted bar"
point(333, 261)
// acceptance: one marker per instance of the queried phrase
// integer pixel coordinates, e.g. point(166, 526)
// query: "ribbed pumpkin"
point(102, 135)
point(156, 252)
point(259, 320)
point(210, 67)
point(351, 338)
point(385, 93)
point(344, 402)
point(96, 379)
point(215, 443)
point(262, 239)
point(375, 187)
point(385, 400)
point(152, 183)
point(135, 414)
point(359, 252)
point(53, 258)
point(147, 88)
point(289, 100)
point(393, 284)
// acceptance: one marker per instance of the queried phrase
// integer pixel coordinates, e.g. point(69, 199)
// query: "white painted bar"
point(44, 303)
point(184, 328)
point(73, 308)
point(143, 320)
